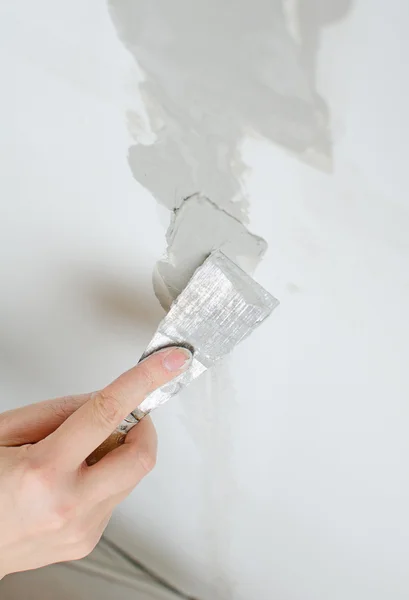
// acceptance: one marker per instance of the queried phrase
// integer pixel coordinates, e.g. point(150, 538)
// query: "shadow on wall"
point(116, 299)
point(88, 308)
point(215, 71)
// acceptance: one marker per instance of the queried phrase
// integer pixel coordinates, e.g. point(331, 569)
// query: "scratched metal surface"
point(220, 307)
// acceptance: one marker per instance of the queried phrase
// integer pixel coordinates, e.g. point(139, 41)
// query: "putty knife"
point(220, 306)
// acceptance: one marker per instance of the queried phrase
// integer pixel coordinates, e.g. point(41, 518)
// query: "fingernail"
point(177, 359)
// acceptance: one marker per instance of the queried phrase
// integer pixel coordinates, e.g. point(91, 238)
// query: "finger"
point(30, 424)
point(123, 468)
point(91, 424)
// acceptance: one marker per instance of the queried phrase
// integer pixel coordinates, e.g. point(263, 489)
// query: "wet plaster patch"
point(216, 72)
point(197, 228)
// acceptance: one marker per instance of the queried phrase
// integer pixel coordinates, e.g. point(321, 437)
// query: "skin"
point(53, 506)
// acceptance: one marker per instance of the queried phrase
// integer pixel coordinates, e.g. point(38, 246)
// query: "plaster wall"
point(293, 117)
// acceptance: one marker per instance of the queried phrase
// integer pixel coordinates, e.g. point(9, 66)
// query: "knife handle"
point(115, 440)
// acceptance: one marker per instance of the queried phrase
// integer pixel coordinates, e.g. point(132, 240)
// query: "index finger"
point(92, 423)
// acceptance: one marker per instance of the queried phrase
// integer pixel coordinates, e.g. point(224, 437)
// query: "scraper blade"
point(220, 306)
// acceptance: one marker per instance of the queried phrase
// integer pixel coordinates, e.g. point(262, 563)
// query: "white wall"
point(305, 494)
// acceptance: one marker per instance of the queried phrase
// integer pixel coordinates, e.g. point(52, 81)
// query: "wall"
point(304, 495)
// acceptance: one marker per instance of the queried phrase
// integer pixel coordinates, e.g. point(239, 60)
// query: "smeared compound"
point(198, 227)
point(215, 72)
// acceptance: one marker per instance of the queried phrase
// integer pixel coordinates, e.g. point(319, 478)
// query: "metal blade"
point(220, 307)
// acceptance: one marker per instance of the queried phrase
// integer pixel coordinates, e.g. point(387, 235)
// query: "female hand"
point(53, 507)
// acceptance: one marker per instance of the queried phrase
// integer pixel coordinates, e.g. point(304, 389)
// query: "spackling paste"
point(214, 229)
point(215, 72)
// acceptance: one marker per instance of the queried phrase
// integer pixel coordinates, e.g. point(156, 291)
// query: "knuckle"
point(40, 461)
point(59, 505)
point(64, 514)
point(107, 408)
point(38, 479)
point(77, 537)
point(64, 408)
point(39, 483)
point(87, 541)
point(83, 548)
point(55, 522)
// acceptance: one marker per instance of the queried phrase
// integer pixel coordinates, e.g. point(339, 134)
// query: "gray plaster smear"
point(216, 71)
point(198, 226)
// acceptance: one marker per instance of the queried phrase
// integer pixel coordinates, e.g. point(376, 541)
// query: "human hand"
point(53, 506)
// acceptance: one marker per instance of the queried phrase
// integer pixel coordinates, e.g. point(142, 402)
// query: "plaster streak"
point(290, 11)
point(214, 73)
point(198, 227)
